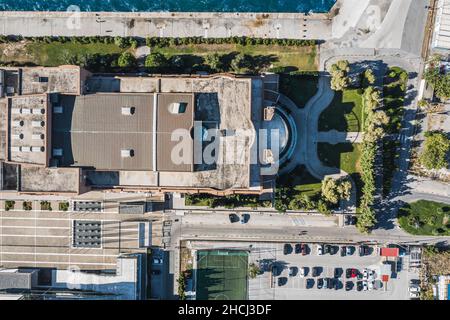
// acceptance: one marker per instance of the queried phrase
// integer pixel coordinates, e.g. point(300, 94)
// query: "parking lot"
point(287, 283)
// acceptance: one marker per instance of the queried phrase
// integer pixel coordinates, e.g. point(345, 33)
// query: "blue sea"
point(171, 5)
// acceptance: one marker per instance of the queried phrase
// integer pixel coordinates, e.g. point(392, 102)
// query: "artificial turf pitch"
point(222, 275)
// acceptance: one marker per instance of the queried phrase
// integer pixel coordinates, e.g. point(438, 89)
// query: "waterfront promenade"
point(166, 24)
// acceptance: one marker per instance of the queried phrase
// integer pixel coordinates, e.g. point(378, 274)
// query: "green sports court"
point(222, 275)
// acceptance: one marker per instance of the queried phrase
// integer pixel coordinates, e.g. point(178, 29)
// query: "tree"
point(239, 62)
point(121, 42)
point(339, 75)
point(335, 190)
point(369, 76)
point(436, 148)
point(372, 98)
point(253, 270)
point(126, 60)
point(366, 219)
point(214, 60)
point(181, 286)
point(156, 60)
point(323, 207)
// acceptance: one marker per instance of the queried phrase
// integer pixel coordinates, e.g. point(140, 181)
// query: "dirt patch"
point(15, 51)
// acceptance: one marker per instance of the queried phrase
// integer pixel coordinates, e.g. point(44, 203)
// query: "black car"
point(359, 286)
point(274, 270)
point(309, 283)
point(287, 249)
point(361, 250)
point(298, 248)
point(348, 220)
point(338, 272)
point(353, 220)
point(337, 284)
point(334, 250)
point(319, 283)
point(316, 271)
point(327, 283)
point(233, 217)
point(349, 286)
point(326, 249)
point(282, 281)
point(343, 251)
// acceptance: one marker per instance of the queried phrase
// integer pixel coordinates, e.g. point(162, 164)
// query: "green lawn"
point(425, 218)
point(300, 181)
point(344, 156)
point(344, 113)
point(299, 88)
point(296, 58)
point(54, 54)
point(221, 275)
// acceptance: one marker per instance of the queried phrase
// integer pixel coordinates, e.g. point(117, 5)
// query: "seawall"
point(167, 24)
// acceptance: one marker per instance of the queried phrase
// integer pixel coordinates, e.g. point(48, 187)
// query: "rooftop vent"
point(25, 149)
point(37, 124)
point(26, 111)
point(128, 111)
point(38, 111)
point(17, 136)
point(38, 136)
point(177, 107)
point(18, 123)
point(127, 153)
point(37, 149)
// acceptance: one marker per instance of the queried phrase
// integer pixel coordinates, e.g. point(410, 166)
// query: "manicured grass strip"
point(344, 113)
point(425, 218)
point(222, 275)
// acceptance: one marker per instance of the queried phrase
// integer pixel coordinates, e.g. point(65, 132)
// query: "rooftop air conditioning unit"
point(127, 153)
point(37, 136)
point(18, 123)
point(128, 111)
point(26, 149)
point(17, 136)
point(16, 111)
point(177, 107)
point(57, 152)
point(37, 124)
point(26, 111)
point(37, 149)
point(16, 149)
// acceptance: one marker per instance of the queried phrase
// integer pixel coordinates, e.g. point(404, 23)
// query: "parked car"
point(349, 285)
point(303, 272)
point(287, 249)
point(233, 217)
point(157, 260)
point(316, 271)
point(364, 285)
point(310, 283)
point(293, 271)
point(363, 250)
point(414, 282)
point(319, 283)
point(326, 249)
point(370, 284)
point(327, 283)
point(359, 285)
point(244, 218)
point(337, 284)
point(282, 281)
point(414, 295)
point(347, 220)
point(305, 249)
point(353, 220)
point(319, 250)
point(343, 251)
point(365, 274)
point(334, 250)
point(298, 248)
point(371, 275)
point(351, 273)
point(414, 289)
point(338, 272)
point(349, 250)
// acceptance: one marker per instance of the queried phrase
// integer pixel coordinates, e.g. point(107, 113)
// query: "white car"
point(319, 250)
point(414, 289)
point(364, 285)
point(371, 275)
point(302, 272)
point(365, 274)
point(370, 285)
point(414, 295)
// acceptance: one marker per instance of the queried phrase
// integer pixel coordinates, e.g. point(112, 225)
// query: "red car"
point(351, 273)
point(304, 249)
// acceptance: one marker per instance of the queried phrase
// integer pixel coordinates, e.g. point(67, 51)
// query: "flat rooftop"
point(93, 130)
point(27, 135)
point(36, 80)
